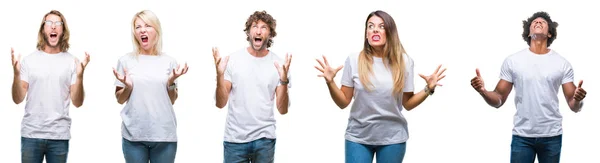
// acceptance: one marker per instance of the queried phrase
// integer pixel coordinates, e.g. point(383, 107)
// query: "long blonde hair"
point(63, 41)
point(150, 18)
point(392, 57)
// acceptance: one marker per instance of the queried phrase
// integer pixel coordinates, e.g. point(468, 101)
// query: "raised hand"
point(579, 92)
point(432, 80)
point(15, 62)
point(328, 71)
point(81, 65)
point(125, 79)
point(477, 82)
point(220, 63)
point(283, 70)
point(177, 72)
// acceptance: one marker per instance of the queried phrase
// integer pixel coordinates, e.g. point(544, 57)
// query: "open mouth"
point(258, 40)
point(53, 35)
point(144, 38)
point(375, 37)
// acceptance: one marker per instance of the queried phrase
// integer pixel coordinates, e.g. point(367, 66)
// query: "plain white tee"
point(252, 98)
point(50, 77)
point(148, 114)
point(536, 79)
point(376, 117)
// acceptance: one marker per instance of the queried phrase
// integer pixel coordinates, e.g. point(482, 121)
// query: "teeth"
point(144, 36)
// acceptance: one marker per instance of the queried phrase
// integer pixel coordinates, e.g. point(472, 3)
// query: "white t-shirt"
point(148, 114)
point(50, 77)
point(536, 79)
point(251, 100)
point(376, 118)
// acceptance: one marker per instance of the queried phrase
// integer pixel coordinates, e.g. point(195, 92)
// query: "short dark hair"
point(265, 17)
point(551, 27)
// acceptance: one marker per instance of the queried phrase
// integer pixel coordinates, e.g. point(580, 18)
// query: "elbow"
point(219, 106)
point(17, 101)
point(77, 105)
point(282, 110)
point(409, 108)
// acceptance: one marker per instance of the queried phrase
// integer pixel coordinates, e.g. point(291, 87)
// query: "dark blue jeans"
point(524, 149)
point(362, 153)
point(257, 151)
point(33, 150)
point(142, 151)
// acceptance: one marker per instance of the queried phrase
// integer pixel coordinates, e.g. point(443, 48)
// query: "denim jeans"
point(524, 149)
point(257, 151)
point(143, 151)
point(33, 150)
point(361, 153)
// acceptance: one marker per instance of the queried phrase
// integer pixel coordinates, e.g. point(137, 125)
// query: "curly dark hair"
point(265, 17)
point(551, 27)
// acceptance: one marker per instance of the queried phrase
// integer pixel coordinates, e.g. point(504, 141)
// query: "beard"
point(47, 39)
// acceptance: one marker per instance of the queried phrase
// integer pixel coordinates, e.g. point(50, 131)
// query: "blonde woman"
point(380, 79)
point(146, 80)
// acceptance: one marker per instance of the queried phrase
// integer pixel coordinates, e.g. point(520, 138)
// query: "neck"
point(378, 52)
point(147, 52)
point(51, 50)
point(258, 53)
point(539, 46)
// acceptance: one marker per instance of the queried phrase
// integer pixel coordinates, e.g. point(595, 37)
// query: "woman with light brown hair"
point(380, 79)
point(146, 80)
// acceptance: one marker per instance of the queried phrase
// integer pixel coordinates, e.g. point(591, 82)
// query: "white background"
point(454, 125)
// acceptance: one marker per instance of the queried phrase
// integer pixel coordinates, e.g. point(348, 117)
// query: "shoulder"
point(127, 57)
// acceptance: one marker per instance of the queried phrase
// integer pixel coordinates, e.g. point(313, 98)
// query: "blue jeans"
point(143, 151)
point(257, 151)
point(524, 149)
point(33, 150)
point(362, 153)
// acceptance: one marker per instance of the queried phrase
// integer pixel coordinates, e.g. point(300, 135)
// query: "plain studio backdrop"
point(453, 125)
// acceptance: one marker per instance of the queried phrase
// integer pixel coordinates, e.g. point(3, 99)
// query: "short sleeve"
point(23, 71)
point(506, 71)
point(120, 67)
point(228, 74)
point(347, 73)
point(173, 65)
point(410, 75)
point(74, 71)
point(569, 75)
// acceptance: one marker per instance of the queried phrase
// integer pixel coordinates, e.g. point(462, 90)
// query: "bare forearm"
point(415, 100)
point(492, 98)
point(221, 93)
point(282, 99)
point(575, 105)
point(18, 92)
point(79, 93)
point(123, 94)
point(337, 95)
point(172, 95)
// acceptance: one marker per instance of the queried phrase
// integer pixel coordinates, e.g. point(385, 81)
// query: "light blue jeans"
point(33, 150)
point(362, 153)
point(257, 151)
point(143, 151)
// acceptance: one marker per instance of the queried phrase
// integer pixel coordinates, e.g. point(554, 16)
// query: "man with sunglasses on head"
point(51, 78)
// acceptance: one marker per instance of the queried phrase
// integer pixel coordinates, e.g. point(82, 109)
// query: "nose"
point(144, 30)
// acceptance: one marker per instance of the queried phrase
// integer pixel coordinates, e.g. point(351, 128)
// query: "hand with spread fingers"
point(125, 78)
point(16, 62)
point(82, 65)
point(283, 69)
point(220, 62)
point(477, 82)
point(579, 92)
point(328, 71)
point(432, 80)
point(177, 72)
